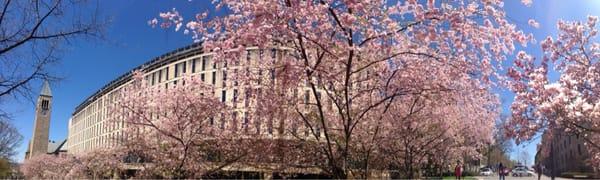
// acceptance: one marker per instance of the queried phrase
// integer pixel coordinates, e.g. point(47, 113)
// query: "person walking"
point(501, 171)
point(458, 170)
point(539, 169)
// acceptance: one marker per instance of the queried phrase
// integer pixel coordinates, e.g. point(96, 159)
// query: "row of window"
point(195, 65)
point(99, 141)
point(258, 126)
point(181, 68)
point(93, 131)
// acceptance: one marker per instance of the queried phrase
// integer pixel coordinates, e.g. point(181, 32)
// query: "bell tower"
point(39, 141)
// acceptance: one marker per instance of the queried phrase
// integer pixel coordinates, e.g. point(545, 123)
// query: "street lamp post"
point(552, 159)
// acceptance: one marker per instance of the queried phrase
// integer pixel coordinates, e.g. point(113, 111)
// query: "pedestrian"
point(501, 171)
point(458, 170)
point(539, 168)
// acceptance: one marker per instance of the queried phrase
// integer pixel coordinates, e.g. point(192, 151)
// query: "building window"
point(306, 97)
point(272, 73)
point(270, 127)
point(153, 74)
point(273, 53)
point(194, 65)
point(214, 78)
point(222, 120)
point(248, 56)
point(260, 76)
point(224, 78)
point(246, 121)
point(257, 125)
point(177, 70)
point(180, 69)
point(235, 96)
point(247, 75)
point(234, 120)
point(295, 94)
point(45, 105)
point(204, 63)
point(235, 73)
point(167, 74)
point(247, 97)
point(202, 77)
point(223, 96)
point(160, 76)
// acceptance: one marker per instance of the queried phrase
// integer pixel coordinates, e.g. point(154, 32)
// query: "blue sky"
point(129, 42)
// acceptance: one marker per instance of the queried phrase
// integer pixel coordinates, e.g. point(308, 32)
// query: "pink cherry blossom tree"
point(437, 128)
point(50, 167)
point(175, 131)
point(95, 164)
point(102, 163)
point(338, 64)
point(341, 60)
point(569, 105)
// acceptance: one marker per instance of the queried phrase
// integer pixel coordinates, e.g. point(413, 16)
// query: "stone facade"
point(566, 158)
point(39, 141)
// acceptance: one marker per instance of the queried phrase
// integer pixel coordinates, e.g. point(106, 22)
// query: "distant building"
point(567, 158)
point(57, 148)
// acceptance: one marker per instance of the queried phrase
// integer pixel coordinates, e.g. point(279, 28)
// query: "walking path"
point(516, 178)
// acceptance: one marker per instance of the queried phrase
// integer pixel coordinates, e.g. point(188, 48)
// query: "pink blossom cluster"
point(169, 127)
point(569, 105)
point(527, 2)
point(432, 128)
point(96, 164)
point(349, 71)
point(533, 23)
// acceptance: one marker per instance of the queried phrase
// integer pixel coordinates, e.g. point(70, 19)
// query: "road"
point(515, 178)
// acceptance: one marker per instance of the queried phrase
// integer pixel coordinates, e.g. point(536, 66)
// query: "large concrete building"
point(91, 125)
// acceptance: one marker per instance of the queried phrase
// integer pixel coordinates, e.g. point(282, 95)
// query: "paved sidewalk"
point(516, 178)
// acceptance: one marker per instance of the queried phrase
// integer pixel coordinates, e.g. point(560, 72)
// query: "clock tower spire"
point(39, 141)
